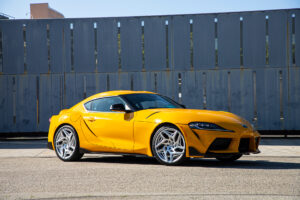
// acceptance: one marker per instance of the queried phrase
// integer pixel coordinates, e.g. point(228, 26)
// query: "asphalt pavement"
point(30, 171)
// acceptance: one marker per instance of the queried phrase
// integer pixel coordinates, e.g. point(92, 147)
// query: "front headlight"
point(207, 126)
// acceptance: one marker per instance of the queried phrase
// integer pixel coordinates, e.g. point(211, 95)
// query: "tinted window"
point(148, 101)
point(103, 104)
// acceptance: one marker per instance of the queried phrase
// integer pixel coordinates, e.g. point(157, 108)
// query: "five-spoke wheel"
point(168, 145)
point(67, 144)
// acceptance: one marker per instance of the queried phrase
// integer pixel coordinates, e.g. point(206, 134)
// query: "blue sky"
point(110, 8)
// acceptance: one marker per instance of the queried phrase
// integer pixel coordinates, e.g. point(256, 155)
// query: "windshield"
point(149, 101)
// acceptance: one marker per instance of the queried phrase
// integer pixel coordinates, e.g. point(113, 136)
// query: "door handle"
point(91, 119)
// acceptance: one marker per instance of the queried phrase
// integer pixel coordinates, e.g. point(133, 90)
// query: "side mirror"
point(118, 107)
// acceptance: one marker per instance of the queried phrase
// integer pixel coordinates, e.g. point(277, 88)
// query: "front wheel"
point(229, 158)
point(66, 144)
point(168, 145)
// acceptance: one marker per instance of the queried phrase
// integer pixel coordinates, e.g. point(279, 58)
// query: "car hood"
point(185, 116)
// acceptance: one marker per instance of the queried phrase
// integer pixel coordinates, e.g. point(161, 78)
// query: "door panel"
point(112, 129)
point(115, 128)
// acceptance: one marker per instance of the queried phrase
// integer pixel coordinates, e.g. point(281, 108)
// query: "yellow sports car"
point(146, 123)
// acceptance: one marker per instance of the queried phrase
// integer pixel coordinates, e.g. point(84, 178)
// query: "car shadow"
point(198, 162)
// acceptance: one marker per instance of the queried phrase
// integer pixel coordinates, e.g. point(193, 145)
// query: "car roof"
point(115, 93)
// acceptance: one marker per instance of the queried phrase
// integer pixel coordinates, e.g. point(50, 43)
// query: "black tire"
point(75, 155)
point(180, 159)
point(229, 158)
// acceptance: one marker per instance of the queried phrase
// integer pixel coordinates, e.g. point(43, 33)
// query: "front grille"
point(220, 144)
point(244, 145)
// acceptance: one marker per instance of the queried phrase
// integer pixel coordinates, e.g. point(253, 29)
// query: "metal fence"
point(246, 63)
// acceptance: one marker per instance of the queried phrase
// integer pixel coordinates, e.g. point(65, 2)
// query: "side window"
point(103, 104)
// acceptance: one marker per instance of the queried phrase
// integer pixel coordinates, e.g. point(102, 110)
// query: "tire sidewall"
point(181, 160)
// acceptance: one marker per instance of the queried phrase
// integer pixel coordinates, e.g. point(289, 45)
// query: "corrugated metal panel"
point(181, 42)
point(229, 40)
point(217, 90)
point(26, 103)
point(294, 100)
point(45, 102)
point(277, 38)
point(70, 98)
point(107, 45)
point(268, 99)
point(155, 43)
point(131, 44)
point(6, 103)
point(13, 47)
point(192, 87)
point(57, 46)
point(67, 44)
point(101, 82)
point(254, 39)
point(57, 93)
point(165, 86)
point(204, 41)
point(297, 36)
point(36, 44)
point(241, 99)
point(84, 46)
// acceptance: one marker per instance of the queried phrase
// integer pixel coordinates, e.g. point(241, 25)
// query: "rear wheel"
point(168, 145)
point(66, 144)
point(229, 158)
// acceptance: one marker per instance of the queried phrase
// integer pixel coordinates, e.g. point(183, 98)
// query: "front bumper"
point(203, 143)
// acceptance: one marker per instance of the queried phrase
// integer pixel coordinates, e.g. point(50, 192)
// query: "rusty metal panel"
point(12, 46)
point(217, 90)
point(192, 90)
point(204, 41)
point(44, 103)
point(254, 39)
point(36, 47)
point(268, 99)
point(26, 103)
point(181, 42)
point(229, 40)
point(107, 45)
point(57, 46)
point(84, 46)
point(277, 38)
point(155, 43)
point(131, 44)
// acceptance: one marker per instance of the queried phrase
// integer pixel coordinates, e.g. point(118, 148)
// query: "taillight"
point(50, 120)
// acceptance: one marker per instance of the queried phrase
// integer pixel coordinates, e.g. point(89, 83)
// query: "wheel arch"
point(61, 125)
